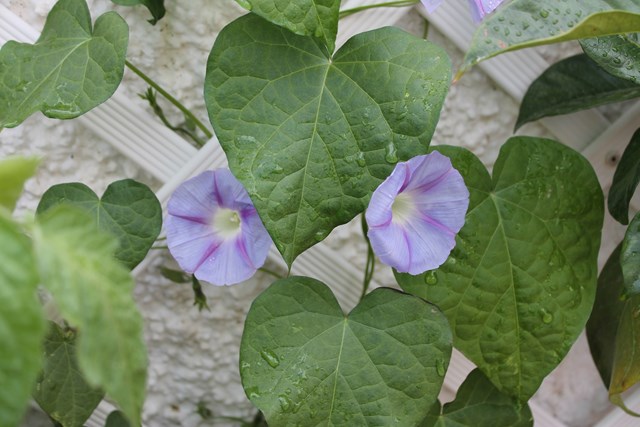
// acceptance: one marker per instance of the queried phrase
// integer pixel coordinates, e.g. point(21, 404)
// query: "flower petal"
point(390, 244)
point(229, 191)
point(431, 5)
point(430, 244)
point(189, 241)
point(226, 265)
point(194, 198)
point(379, 210)
point(480, 8)
point(255, 238)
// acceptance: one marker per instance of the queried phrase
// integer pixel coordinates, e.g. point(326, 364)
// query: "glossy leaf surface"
point(302, 361)
point(520, 283)
point(573, 84)
point(309, 136)
point(625, 180)
point(14, 171)
point(630, 258)
point(525, 23)
point(479, 404)
point(116, 419)
point(22, 325)
point(156, 7)
point(70, 69)
point(317, 18)
point(128, 209)
point(93, 292)
point(618, 55)
point(61, 390)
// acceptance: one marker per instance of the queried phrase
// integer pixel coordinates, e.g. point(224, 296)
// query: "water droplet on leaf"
point(270, 357)
point(430, 278)
point(440, 369)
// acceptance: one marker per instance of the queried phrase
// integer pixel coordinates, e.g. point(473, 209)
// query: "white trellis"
point(169, 158)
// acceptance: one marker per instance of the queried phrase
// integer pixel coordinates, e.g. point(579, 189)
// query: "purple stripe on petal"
point(225, 266)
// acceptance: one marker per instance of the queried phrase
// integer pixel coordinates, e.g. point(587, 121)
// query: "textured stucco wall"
point(193, 355)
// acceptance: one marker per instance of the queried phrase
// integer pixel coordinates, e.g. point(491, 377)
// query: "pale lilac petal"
point(231, 194)
point(379, 210)
point(431, 5)
point(189, 241)
point(255, 238)
point(391, 245)
point(226, 265)
point(480, 8)
point(430, 244)
point(427, 171)
point(194, 198)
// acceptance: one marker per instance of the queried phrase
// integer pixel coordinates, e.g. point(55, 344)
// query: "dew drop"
point(390, 153)
point(319, 236)
point(360, 160)
point(440, 367)
point(430, 278)
point(270, 357)
point(285, 403)
point(546, 316)
point(544, 13)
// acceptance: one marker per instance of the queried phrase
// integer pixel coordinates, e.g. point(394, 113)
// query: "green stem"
point(171, 99)
point(371, 261)
point(398, 3)
point(425, 33)
point(270, 272)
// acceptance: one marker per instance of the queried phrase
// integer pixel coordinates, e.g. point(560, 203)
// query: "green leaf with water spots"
point(156, 7)
point(94, 293)
point(619, 55)
point(312, 136)
point(317, 18)
point(630, 257)
point(525, 23)
point(61, 390)
point(70, 69)
point(519, 285)
point(573, 84)
point(128, 209)
point(625, 180)
point(613, 332)
point(22, 326)
point(479, 404)
point(303, 361)
point(14, 171)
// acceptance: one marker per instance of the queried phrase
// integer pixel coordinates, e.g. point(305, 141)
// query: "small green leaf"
point(317, 18)
point(61, 390)
point(70, 69)
point(625, 180)
point(526, 23)
point(14, 171)
point(199, 298)
point(176, 276)
point(94, 293)
point(619, 55)
point(310, 136)
point(479, 404)
point(302, 361)
point(630, 258)
point(519, 285)
point(116, 419)
point(128, 209)
point(22, 327)
point(156, 7)
point(573, 84)
point(612, 332)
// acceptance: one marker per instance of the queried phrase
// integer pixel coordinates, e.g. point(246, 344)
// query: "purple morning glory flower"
point(479, 8)
point(415, 214)
point(213, 229)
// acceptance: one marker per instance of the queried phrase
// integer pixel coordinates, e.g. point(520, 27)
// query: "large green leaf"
point(128, 209)
point(310, 136)
point(630, 258)
point(525, 23)
point(156, 7)
point(21, 323)
point(573, 84)
point(317, 18)
point(519, 285)
point(618, 55)
point(479, 404)
point(303, 362)
point(61, 390)
point(94, 293)
point(14, 171)
point(116, 419)
point(613, 332)
point(70, 69)
point(625, 180)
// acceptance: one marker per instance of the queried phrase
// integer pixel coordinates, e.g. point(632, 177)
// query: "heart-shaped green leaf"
point(519, 285)
point(303, 362)
point(312, 136)
point(317, 18)
point(613, 332)
point(116, 419)
point(93, 292)
point(479, 404)
point(128, 209)
point(619, 55)
point(71, 69)
point(14, 171)
point(22, 326)
point(630, 258)
point(573, 84)
point(61, 390)
point(156, 7)
point(526, 23)
point(625, 180)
